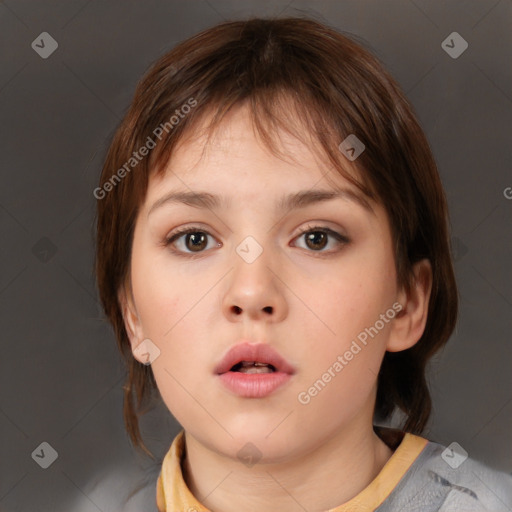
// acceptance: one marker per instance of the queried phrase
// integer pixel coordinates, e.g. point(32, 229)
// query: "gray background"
point(60, 373)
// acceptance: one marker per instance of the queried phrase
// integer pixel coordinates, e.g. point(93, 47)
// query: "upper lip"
point(257, 352)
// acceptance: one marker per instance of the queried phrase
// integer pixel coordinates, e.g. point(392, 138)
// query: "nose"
point(255, 291)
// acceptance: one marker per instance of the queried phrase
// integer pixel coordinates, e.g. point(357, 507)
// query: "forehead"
point(234, 159)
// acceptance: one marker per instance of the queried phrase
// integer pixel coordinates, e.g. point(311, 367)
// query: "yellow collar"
point(173, 494)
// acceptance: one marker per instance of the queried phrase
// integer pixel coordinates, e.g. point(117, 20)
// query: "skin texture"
point(308, 302)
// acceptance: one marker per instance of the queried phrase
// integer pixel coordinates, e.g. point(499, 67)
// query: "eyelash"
point(343, 240)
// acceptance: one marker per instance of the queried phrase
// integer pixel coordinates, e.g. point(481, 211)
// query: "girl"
point(273, 254)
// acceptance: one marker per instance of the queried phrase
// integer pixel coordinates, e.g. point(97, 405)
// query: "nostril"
point(237, 310)
point(268, 309)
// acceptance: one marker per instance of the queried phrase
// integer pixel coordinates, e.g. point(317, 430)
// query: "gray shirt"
point(432, 485)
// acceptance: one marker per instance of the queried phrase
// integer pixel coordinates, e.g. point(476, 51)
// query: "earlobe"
point(409, 324)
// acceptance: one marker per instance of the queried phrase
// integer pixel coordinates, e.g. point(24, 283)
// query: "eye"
point(189, 240)
point(317, 238)
point(194, 240)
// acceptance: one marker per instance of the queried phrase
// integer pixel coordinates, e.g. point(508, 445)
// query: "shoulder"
point(465, 484)
point(444, 479)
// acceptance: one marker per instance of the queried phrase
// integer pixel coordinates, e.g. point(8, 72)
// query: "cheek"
point(173, 316)
point(160, 292)
point(342, 306)
point(158, 304)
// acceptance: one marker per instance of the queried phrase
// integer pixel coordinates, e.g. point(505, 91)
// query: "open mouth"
point(253, 367)
point(253, 358)
point(253, 370)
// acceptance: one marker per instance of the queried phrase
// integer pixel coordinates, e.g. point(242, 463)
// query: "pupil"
point(198, 241)
point(317, 237)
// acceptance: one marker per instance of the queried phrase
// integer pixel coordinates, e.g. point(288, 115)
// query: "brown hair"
point(336, 88)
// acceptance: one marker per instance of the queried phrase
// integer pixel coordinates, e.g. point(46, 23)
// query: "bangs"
point(272, 113)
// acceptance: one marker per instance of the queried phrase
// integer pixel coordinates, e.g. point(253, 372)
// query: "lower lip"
point(254, 385)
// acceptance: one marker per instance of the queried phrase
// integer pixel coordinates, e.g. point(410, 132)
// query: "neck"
point(326, 477)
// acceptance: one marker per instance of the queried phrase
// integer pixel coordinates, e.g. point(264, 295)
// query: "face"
point(306, 279)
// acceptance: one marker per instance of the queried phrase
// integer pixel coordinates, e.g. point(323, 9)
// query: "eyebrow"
point(290, 202)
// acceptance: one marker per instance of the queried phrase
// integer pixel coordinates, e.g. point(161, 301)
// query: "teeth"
point(253, 367)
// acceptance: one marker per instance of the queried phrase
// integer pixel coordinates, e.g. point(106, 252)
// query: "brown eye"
point(316, 240)
point(196, 241)
point(188, 241)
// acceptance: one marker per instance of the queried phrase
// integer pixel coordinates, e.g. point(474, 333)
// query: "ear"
point(409, 324)
point(131, 319)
